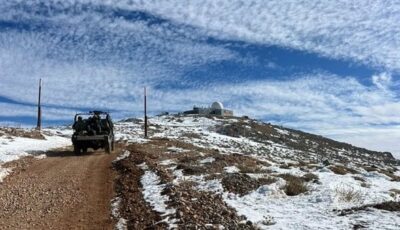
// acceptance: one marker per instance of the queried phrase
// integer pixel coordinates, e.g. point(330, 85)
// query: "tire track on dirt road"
point(62, 191)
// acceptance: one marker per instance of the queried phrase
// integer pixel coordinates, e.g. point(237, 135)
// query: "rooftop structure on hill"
point(217, 108)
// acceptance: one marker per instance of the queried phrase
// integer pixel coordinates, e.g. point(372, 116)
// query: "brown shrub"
point(390, 174)
point(191, 135)
point(342, 170)
point(191, 169)
point(284, 166)
point(370, 168)
point(251, 169)
point(243, 184)
point(310, 177)
point(294, 185)
point(394, 192)
point(359, 178)
point(391, 206)
point(365, 185)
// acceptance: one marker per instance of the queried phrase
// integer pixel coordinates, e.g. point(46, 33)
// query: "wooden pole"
point(39, 116)
point(145, 113)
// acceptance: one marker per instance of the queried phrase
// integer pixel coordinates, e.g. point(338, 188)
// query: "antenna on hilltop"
point(39, 116)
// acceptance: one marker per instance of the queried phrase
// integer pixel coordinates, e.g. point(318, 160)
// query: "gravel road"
point(62, 191)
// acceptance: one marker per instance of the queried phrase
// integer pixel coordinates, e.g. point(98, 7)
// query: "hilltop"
point(197, 172)
point(230, 172)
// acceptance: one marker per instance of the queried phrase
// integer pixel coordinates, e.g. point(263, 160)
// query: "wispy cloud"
point(100, 54)
point(366, 31)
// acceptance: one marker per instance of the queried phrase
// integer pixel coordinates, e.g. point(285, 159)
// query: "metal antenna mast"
point(39, 116)
point(145, 113)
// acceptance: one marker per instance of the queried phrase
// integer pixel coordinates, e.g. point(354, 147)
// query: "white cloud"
point(365, 31)
point(383, 80)
point(89, 58)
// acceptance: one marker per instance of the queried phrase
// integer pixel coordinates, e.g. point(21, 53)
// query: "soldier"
point(79, 125)
point(96, 123)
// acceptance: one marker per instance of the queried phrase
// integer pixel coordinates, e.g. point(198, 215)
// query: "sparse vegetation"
point(242, 184)
point(190, 169)
point(251, 169)
point(365, 185)
point(294, 185)
point(347, 193)
point(390, 174)
point(342, 170)
point(359, 178)
point(310, 177)
point(370, 168)
point(395, 193)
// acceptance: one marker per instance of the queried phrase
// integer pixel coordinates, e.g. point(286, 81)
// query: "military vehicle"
point(93, 130)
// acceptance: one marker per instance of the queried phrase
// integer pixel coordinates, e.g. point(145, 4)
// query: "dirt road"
point(62, 191)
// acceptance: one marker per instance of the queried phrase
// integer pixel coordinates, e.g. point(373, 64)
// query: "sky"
point(327, 67)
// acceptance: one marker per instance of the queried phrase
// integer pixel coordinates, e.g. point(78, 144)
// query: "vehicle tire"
point(77, 149)
point(84, 150)
point(108, 147)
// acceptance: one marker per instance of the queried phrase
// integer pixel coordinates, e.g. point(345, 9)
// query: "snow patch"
point(115, 206)
point(231, 169)
point(152, 193)
point(124, 155)
point(3, 173)
point(13, 149)
point(207, 160)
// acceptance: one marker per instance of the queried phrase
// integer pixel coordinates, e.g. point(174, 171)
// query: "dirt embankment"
point(62, 191)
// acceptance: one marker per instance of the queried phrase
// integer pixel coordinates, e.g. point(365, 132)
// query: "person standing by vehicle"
point(79, 125)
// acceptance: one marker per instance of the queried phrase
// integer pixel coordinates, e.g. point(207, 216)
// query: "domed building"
point(217, 109)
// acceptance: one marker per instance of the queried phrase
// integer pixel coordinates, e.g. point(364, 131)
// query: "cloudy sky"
point(327, 67)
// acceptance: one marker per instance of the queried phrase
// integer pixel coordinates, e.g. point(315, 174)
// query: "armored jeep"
point(93, 130)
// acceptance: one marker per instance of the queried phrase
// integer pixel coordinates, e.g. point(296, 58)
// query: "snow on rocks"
point(174, 149)
point(124, 155)
point(152, 193)
point(3, 173)
point(231, 169)
point(207, 160)
point(121, 222)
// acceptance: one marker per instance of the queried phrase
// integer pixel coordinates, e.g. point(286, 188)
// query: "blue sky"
point(327, 67)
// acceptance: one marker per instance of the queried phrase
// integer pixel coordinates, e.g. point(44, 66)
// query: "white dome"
point(217, 105)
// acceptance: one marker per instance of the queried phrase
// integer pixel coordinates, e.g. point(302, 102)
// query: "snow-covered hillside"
point(272, 177)
point(236, 173)
point(16, 143)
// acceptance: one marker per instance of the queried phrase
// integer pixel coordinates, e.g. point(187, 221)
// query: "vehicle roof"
point(93, 113)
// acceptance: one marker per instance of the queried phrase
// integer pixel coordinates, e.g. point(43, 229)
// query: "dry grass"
point(252, 169)
point(192, 135)
point(365, 185)
point(370, 168)
point(17, 132)
point(359, 178)
point(294, 185)
point(347, 193)
point(242, 184)
point(394, 192)
point(342, 170)
point(390, 174)
point(191, 169)
point(310, 177)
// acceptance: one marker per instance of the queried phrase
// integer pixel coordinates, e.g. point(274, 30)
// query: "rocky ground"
point(203, 173)
point(61, 191)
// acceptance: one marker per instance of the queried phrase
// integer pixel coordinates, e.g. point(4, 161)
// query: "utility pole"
point(145, 113)
point(39, 116)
